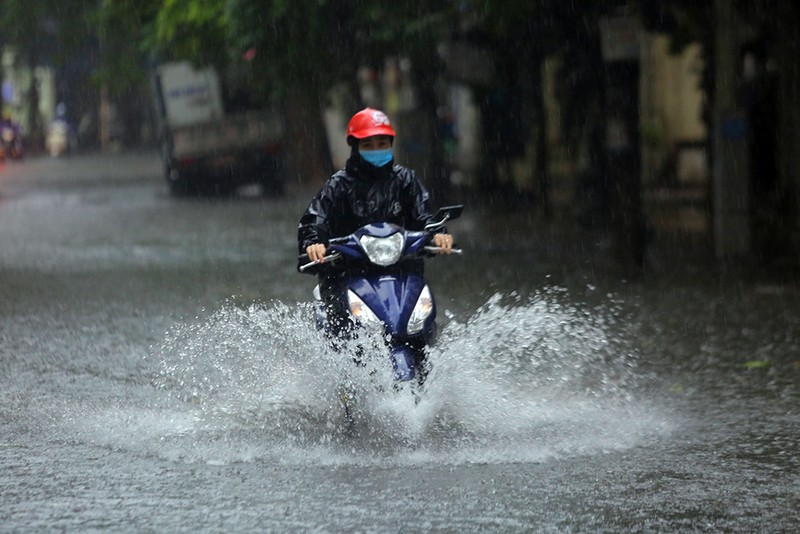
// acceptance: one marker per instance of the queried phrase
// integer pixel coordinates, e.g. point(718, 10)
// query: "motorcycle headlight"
point(383, 250)
point(422, 310)
point(360, 310)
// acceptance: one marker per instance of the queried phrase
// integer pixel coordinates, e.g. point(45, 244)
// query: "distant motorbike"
point(10, 140)
point(380, 284)
point(59, 138)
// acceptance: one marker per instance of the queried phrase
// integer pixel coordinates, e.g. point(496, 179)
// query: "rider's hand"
point(444, 242)
point(316, 252)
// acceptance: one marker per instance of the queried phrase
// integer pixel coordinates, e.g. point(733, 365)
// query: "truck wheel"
point(273, 188)
point(179, 186)
point(273, 184)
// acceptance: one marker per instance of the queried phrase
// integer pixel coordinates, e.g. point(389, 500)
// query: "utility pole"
point(731, 188)
point(620, 36)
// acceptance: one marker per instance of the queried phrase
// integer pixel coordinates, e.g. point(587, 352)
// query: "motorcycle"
point(379, 284)
point(10, 140)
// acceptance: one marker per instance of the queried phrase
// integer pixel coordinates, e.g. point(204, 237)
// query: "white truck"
point(205, 149)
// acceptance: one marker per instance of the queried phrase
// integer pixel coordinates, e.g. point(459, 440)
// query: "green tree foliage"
point(30, 29)
point(320, 43)
point(304, 49)
point(132, 33)
point(123, 31)
point(192, 29)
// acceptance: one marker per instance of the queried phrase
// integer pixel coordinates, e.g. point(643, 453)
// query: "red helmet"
point(369, 122)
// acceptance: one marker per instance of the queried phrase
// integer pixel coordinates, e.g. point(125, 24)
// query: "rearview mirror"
point(447, 213)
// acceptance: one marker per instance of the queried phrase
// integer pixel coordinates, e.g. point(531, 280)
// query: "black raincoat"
point(362, 194)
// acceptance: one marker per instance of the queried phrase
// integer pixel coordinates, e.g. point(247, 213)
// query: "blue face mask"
point(379, 158)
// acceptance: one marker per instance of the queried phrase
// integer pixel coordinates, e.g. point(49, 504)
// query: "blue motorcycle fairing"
point(415, 241)
point(378, 230)
point(392, 298)
point(403, 363)
point(351, 247)
point(391, 293)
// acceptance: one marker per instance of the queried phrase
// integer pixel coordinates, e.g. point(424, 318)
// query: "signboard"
point(190, 96)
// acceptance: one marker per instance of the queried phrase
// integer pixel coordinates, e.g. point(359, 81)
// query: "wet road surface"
point(159, 371)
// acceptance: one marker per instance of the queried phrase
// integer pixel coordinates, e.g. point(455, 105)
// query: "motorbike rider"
point(370, 189)
point(10, 138)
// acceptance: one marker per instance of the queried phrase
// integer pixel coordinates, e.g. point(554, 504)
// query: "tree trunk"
point(434, 169)
point(788, 37)
point(35, 126)
point(541, 170)
point(623, 157)
point(308, 155)
point(731, 194)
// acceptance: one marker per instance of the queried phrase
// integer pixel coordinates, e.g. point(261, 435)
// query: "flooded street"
point(160, 371)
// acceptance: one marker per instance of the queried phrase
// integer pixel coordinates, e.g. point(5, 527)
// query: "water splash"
point(523, 379)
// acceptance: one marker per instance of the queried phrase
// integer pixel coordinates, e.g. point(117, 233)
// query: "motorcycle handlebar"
point(434, 250)
point(336, 255)
point(330, 257)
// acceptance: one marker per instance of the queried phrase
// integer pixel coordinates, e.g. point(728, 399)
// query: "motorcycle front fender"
point(403, 363)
